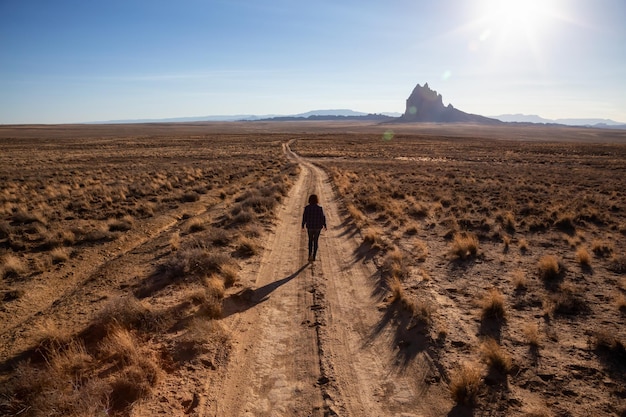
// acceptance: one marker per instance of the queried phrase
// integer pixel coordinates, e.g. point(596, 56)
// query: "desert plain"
point(161, 269)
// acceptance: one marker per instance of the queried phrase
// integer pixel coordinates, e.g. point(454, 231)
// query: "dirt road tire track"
point(311, 340)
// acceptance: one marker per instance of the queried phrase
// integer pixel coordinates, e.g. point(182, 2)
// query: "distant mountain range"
point(532, 118)
point(423, 105)
point(310, 115)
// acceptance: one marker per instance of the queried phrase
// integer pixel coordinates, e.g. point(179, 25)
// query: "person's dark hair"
point(313, 199)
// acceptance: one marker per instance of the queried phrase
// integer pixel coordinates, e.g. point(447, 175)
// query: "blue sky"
point(78, 61)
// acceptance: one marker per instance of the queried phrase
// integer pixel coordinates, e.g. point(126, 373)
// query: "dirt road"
point(314, 339)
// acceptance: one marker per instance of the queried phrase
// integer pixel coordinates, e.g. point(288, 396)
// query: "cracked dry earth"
point(312, 339)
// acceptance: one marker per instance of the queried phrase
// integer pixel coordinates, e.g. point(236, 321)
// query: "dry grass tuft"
point(60, 255)
point(494, 355)
point(601, 249)
point(247, 247)
point(569, 300)
point(583, 257)
point(121, 345)
point(373, 236)
point(492, 304)
point(549, 268)
point(196, 225)
point(608, 342)
point(420, 251)
point(523, 245)
point(464, 245)
point(394, 264)
point(357, 216)
point(50, 336)
point(230, 275)
point(531, 332)
point(175, 241)
point(618, 265)
point(396, 289)
point(465, 384)
point(128, 313)
point(121, 225)
point(12, 266)
point(520, 282)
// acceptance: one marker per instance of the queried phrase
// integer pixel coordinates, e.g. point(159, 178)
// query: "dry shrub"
point(565, 222)
point(464, 245)
point(520, 282)
point(121, 225)
point(507, 219)
point(396, 289)
point(60, 255)
point(495, 356)
point(134, 383)
point(583, 257)
point(549, 268)
point(418, 210)
point(190, 197)
point(618, 265)
point(40, 392)
point(412, 229)
point(507, 243)
point(196, 225)
point(195, 263)
point(50, 336)
point(357, 216)
point(12, 266)
point(532, 335)
point(23, 216)
point(73, 359)
point(465, 384)
point(523, 245)
point(230, 274)
point(242, 217)
point(394, 264)
point(220, 237)
point(175, 241)
point(121, 345)
point(373, 236)
point(210, 297)
point(420, 251)
point(608, 345)
point(247, 247)
point(568, 300)
point(128, 313)
point(419, 309)
point(492, 304)
point(601, 249)
point(215, 287)
point(422, 311)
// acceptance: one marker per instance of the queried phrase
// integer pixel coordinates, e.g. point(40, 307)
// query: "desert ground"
point(161, 269)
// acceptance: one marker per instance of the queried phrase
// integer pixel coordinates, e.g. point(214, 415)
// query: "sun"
point(515, 21)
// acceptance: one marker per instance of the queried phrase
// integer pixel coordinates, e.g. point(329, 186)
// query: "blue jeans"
point(314, 235)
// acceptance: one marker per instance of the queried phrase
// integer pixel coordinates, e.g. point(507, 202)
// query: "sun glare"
point(512, 21)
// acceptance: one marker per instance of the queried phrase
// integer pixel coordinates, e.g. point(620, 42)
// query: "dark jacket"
point(313, 217)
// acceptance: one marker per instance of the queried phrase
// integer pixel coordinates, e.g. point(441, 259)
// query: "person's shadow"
point(248, 298)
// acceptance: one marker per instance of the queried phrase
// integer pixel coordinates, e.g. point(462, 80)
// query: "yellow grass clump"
point(549, 267)
point(465, 384)
point(495, 356)
point(464, 245)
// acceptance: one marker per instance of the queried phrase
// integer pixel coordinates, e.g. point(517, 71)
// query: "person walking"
point(314, 220)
